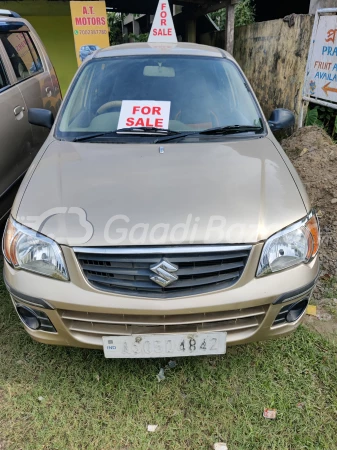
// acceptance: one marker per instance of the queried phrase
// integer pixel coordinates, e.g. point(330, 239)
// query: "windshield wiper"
point(140, 131)
point(87, 137)
point(146, 130)
point(231, 129)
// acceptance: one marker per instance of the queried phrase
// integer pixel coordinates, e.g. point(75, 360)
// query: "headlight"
point(292, 246)
point(29, 250)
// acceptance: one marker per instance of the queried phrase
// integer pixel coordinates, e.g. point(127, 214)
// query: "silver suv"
point(27, 80)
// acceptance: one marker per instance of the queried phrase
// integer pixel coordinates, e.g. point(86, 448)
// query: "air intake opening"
point(28, 317)
point(34, 318)
point(291, 313)
point(296, 310)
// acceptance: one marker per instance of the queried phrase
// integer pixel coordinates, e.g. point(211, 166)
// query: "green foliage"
point(138, 38)
point(244, 14)
point(324, 117)
point(115, 22)
point(312, 117)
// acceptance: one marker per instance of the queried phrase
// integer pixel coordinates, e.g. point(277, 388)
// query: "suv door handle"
point(18, 110)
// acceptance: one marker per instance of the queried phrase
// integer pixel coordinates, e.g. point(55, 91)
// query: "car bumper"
point(81, 315)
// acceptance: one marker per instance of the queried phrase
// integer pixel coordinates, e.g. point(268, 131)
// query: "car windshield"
point(202, 92)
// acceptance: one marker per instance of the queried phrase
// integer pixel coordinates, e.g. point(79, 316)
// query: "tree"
point(244, 14)
point(115, 23)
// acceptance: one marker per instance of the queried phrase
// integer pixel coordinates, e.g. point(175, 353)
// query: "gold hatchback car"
point(161, 216)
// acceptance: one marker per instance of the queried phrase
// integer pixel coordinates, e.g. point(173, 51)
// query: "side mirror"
point(281, 119)
point(41, 117)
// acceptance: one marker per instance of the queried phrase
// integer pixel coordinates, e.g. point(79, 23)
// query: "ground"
point(314, 156)
point(62, 398)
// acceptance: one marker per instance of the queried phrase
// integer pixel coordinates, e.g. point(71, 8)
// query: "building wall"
point(274, 57)
point(214, 39)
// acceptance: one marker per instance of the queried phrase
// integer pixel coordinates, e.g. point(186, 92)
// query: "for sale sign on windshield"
point(144, 113)
point(321, 74)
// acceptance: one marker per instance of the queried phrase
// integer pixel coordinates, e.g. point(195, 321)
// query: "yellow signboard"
point(90, 27)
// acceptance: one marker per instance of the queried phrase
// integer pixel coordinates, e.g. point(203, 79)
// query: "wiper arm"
point(146, 130)
point(87, 137)
point(231, 129)
point(176, 136)
point(140, 131)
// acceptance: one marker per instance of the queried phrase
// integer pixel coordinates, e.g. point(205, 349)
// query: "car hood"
point(89, 194)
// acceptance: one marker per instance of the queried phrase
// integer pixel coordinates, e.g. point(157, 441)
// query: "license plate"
point(164, 345)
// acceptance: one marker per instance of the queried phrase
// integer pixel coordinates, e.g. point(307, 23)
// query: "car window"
point(203, 92)
point(3, 76)
point(22, 54)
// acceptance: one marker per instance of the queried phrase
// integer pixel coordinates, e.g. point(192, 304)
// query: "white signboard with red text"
point(144, 113)
point(163, 28)
point(320, 84)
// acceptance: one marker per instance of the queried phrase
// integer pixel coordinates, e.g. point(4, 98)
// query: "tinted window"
point(22, 54)
point(203, 92)
point(3, 76)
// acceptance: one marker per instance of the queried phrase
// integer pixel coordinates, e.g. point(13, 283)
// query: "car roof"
point(145, 48)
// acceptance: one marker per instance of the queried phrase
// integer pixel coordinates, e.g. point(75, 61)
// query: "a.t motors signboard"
point(90, 26)
point(320, 84)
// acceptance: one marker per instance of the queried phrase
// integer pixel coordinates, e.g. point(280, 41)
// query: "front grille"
point(99, 325)
point(128, 271)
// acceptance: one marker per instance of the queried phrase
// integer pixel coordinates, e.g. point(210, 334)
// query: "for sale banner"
point(90, 27)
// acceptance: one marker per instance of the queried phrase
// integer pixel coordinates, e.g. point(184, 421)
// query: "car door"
point(33, 79)
point(15, 134)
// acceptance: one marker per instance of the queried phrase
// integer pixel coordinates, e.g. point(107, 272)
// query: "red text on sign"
point(147, 110)
point(163, 23)
point(142, 122)
point(152, 121)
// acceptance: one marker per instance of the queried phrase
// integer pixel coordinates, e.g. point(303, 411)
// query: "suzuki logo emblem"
point(164, 271)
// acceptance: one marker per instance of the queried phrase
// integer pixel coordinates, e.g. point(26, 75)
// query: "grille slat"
point(100, 324)
point(155, 259)
point(149, 285)
point(127, 330)
point(80, 316)
point(129, 271)
point(113, 270)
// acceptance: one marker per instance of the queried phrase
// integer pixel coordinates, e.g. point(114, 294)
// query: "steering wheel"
point(115, 104)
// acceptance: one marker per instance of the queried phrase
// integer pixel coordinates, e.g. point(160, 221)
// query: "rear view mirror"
point(159, 71)
point(41, 117)
point(281, 119)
